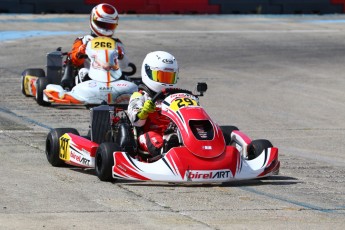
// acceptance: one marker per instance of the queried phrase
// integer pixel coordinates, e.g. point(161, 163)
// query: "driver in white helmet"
point(103, 22)
point(158, 71)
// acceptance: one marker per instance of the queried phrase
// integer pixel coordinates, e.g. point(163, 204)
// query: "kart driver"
point(103, 22)
point(158, 71)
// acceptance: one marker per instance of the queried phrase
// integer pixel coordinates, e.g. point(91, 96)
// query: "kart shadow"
point(69, 107)
point(278, 180)
point(87, 171)
point(273, 180)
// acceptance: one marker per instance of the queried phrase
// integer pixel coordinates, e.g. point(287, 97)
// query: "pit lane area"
point(275, 77)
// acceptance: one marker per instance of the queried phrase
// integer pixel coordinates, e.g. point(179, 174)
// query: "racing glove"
point(149, 107)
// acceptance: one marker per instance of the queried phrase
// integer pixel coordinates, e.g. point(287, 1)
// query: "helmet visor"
point(161, 76)
point(105, 25)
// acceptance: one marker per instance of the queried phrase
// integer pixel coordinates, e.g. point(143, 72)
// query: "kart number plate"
point(64, 147)
point(29, 82)
point(102, 43)
point(182, 102)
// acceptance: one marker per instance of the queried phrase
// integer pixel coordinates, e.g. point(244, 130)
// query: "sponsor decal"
point(78, 158)
point(92, 84)
point(168, 61)
point(121, 84)
point(106, 88)
point(85, 161)
point(200, 175)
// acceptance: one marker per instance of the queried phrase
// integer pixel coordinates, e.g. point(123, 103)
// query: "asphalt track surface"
point(275, 77)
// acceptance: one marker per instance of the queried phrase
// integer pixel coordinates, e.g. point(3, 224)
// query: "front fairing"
point(200, 134)
point(178, 165)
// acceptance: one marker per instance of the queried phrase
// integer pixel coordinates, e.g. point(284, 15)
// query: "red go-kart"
point(196, 148)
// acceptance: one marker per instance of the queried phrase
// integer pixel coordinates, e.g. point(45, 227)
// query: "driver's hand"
point(149, 107)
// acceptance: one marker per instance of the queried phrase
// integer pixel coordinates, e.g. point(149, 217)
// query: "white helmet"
point(159, 70)
point(103, 20)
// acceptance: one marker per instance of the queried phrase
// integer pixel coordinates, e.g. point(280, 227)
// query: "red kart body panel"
point(208, 147)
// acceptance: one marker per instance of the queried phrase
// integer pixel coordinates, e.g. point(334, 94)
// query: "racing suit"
point(76, 60)
point(153, 127)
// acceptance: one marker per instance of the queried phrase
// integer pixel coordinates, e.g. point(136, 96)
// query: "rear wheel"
point(41, 85)
point(32, 72)
point(256, 147)
point(53, 145)
point(105, 160)
point(227, 130)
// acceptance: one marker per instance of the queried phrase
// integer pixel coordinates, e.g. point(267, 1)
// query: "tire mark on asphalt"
point(26, 119)
point(298, 203)
point(7, 134)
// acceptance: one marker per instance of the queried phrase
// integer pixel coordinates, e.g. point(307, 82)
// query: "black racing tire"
point(33, 72)
point(227, 130)
point(53, 145)
point(256, 147)
point(104, 160)
point(37, 72)
point(41, 85)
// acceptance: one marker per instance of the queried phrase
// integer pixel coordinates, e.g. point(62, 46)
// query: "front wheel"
point(53, 145)
point(105, 160)
point(41, 85)
point(256, 147)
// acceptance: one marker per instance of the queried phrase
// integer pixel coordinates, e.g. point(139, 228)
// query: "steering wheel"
point(132, 72)
point(168, 91)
